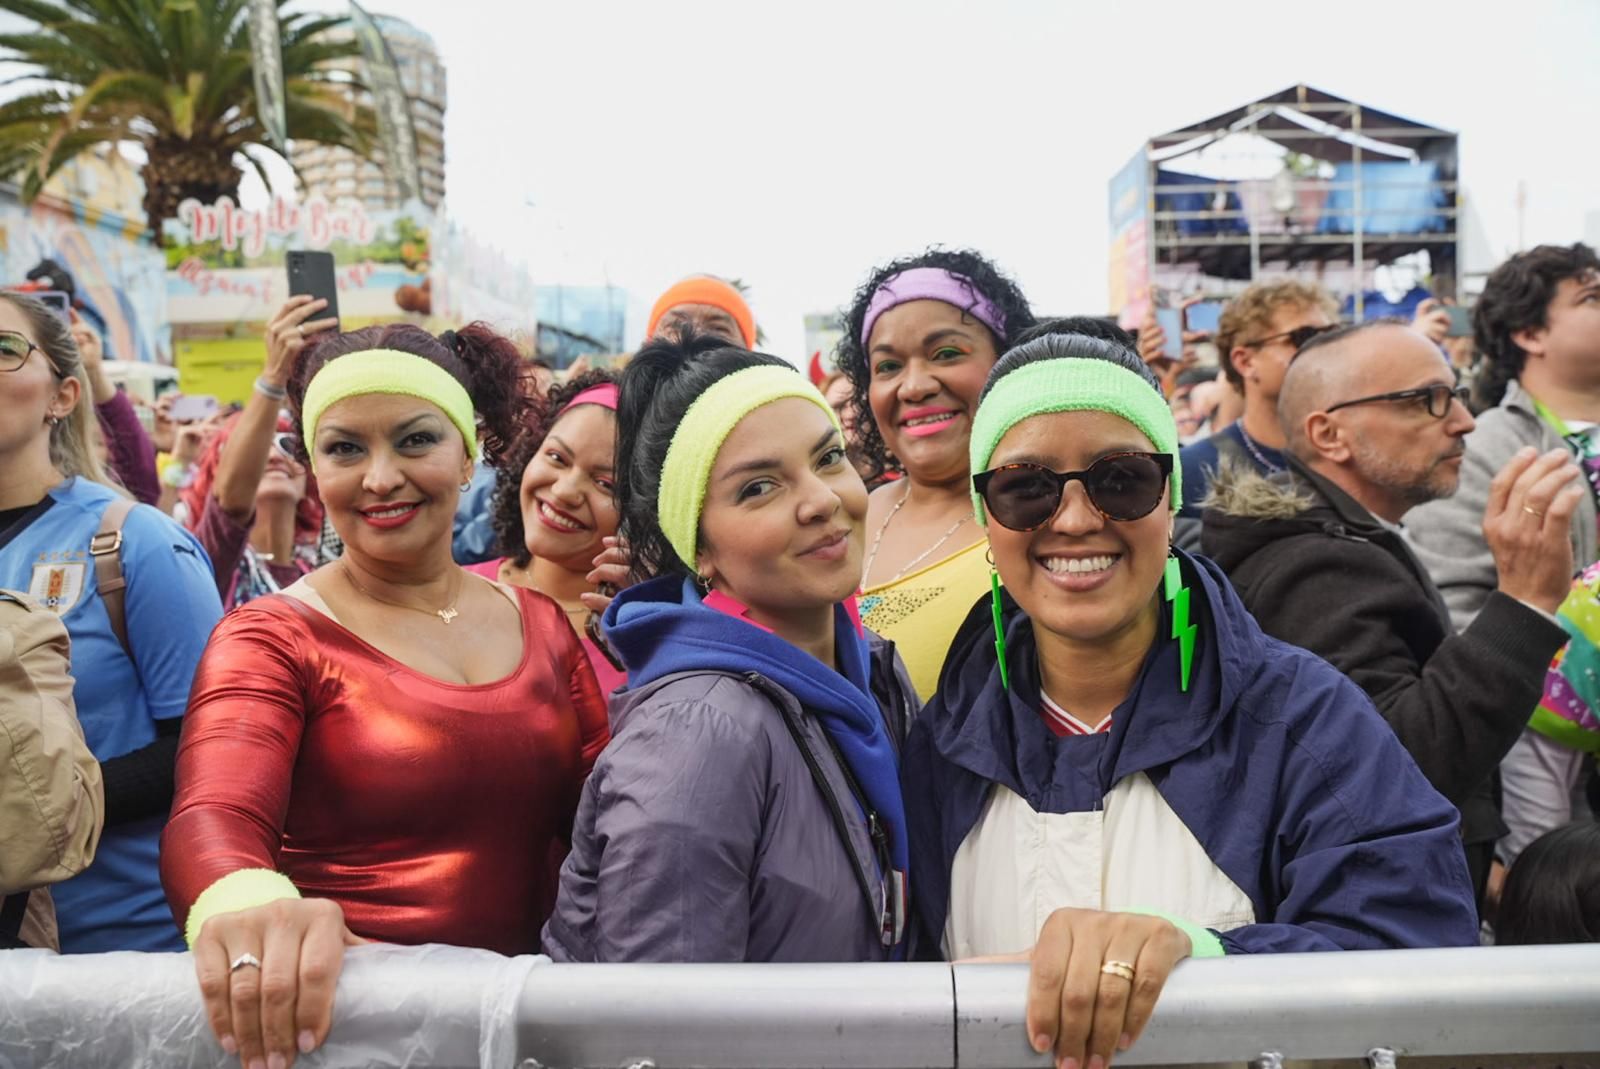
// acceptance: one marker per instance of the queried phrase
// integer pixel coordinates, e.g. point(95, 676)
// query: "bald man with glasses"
point(1375, 425)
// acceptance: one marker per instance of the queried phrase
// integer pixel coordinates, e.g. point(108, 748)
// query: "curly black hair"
point(659, 384)
point(1515, 298)
point(486, 363)
point(506, 511)
point(986, 281)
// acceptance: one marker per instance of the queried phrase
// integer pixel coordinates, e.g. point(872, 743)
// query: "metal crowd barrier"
point(448, 1007)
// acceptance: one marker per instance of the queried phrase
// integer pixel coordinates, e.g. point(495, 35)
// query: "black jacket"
point(1320, 571)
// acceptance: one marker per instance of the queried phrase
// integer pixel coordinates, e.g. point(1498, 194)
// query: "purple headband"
point(932, 284)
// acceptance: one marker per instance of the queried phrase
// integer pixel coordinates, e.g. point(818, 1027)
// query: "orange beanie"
point(704, 290)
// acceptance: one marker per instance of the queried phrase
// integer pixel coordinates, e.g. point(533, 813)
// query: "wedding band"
point(242, 960)
point(1118, 968)
point(1533, 512)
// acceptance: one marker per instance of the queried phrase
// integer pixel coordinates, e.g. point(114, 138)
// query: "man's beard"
point(1411, 487)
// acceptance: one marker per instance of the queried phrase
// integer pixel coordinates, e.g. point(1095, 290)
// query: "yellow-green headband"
point(705, 426)
point(386, 371)
point(1072, 384)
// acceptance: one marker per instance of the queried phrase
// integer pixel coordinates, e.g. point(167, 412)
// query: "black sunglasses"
point(1296, 337)
point(284, 442)
point(1121, 486)
point(14, 350)
point(1438, 398)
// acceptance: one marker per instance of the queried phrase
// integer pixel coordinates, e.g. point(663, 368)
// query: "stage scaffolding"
point(1359, 186)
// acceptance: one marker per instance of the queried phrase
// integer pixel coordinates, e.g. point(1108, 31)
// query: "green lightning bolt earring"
point(999, 627)
point(1182, 630)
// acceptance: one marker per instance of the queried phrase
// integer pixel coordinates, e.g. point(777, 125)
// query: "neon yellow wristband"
point(240, 889)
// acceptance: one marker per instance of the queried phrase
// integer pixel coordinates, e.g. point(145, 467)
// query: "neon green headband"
point(1073, 385)
point(386, 371)
point(705, 426)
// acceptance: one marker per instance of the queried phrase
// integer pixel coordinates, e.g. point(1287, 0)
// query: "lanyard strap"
point(1581, 443)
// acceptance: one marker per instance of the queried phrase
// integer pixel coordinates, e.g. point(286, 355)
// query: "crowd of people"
point(1014, 638)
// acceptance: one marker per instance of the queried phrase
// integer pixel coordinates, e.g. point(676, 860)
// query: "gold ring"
point(1533, 512)
point(1118, 968)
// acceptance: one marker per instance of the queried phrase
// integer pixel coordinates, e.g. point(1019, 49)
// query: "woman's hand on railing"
point(267, 1012)
point(1081, 1007)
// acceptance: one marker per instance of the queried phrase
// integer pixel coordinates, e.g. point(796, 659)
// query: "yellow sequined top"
point(921, 612)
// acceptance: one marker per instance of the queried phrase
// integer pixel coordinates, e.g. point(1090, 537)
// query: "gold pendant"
point(447, 614)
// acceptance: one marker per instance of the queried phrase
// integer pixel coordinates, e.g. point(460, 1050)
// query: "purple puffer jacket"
point(702, 835)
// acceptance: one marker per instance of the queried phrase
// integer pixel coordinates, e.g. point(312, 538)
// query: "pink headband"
point(605, 395)
point(933, 284)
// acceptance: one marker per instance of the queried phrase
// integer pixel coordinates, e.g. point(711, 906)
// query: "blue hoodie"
point(661, 628)
point(1278, 766)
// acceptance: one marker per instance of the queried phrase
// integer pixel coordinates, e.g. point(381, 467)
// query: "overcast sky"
point(795, 145)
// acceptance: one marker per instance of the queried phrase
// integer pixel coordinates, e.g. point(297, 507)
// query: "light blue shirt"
point(171, 605)
point(473, 541)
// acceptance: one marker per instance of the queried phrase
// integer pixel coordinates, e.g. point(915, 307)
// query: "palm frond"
point(175, 75)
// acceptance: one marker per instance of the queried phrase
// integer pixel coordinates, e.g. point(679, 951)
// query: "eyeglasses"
point(1296, 337)
point(1438, 398)
point(14, 350)
point(1121, 486)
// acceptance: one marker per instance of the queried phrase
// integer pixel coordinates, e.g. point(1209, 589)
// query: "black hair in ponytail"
point(660, 383)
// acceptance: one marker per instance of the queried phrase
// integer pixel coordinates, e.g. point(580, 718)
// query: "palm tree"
point(174, 76)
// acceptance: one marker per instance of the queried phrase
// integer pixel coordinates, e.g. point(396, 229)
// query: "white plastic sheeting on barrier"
point(396, 1006)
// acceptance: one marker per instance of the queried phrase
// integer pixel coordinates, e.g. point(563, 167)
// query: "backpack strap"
point(13, 911)
point(106, 549)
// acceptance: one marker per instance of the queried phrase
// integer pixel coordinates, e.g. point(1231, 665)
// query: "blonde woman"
point(134, 655)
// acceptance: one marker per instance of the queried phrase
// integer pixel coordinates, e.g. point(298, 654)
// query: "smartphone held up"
point(312, 274)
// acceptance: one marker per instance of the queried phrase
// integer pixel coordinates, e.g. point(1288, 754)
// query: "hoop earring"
point(999, 627)
point(703, 582)
point(1183, 631)
point(466, 486)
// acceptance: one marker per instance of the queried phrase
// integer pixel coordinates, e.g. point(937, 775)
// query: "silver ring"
point(242, 960)
point(300, 328)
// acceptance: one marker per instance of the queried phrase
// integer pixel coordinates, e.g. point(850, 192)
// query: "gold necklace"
point(873, 556)
point(446, 614)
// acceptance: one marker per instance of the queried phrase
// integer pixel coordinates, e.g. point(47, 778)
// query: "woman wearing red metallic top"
point(401, 742)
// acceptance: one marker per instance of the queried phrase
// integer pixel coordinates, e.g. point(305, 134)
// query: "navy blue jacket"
point(1279, 766)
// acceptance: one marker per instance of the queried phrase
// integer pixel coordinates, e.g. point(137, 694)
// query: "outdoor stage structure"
point(1299, 183)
